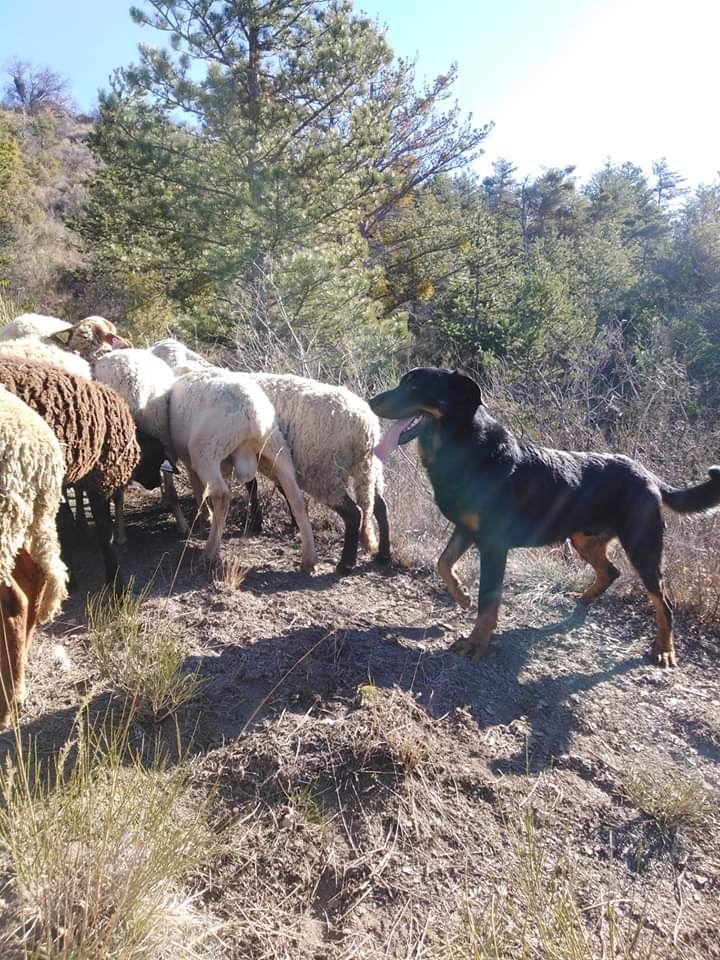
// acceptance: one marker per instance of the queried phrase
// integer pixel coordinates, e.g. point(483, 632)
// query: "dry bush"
point(95, 848)
point(671, 797)
point(142, 657)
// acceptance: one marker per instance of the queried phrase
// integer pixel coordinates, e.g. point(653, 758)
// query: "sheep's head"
point(94, 336)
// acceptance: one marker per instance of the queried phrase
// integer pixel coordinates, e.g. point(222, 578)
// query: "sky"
point(564, 81)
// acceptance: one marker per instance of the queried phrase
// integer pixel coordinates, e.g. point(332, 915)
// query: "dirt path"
point(390, 778)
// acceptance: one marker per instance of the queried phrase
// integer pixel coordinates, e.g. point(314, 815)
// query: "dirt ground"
point(380, 796)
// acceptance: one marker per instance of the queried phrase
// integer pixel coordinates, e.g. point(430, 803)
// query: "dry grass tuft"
point(540, 912)
point(673, 798)
point(230, 575)
point(141, 657)
point(95, 848)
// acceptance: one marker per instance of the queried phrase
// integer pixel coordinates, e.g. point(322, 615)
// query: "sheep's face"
point(95, 336)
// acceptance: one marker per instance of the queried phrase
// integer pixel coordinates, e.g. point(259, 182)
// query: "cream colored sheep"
point(95, 336)
point(332, 433)
point(144, 381)
point(32, 576)
point(33, 348)
point(32, 325)
point(220, 421)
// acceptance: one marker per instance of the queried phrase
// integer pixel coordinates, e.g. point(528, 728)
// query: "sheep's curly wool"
point(92, 423)
point(31, 473)
point(144, 381)
point(32, 325)
point(32, 348)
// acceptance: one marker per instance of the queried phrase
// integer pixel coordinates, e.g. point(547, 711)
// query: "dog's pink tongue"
point(389, 440)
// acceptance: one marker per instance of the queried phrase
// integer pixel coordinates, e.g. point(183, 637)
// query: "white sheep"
point(144, 381)
point(332, 433)
point(220, 421)
point(32, 576)
point(33, 325)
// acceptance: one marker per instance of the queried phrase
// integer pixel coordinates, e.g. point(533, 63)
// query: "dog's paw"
point(663, 658)
point(472, 649)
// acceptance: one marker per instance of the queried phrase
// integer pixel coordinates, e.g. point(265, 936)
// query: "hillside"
point(379, 796)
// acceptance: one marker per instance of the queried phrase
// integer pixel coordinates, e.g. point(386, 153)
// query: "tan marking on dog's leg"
point(32, 580)
point(477, 644)
point(457, 546)
point(663, 648)
point(594, 551)
point(470, 520)
point(13, 634)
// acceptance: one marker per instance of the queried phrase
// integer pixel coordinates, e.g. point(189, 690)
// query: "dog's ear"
point(465, 388)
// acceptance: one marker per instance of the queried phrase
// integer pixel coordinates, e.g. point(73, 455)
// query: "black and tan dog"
point(501, 493)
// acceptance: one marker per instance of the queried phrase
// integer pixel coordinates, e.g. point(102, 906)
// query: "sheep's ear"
point(63, 336)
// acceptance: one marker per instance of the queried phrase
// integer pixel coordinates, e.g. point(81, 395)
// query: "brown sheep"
point(95, 429)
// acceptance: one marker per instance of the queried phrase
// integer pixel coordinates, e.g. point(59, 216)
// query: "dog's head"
point(425, 395)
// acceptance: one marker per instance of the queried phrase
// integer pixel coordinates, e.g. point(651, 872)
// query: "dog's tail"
point(697, 499)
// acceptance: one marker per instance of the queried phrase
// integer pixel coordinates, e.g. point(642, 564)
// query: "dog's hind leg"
point(492, 573)
point(593, 549)
point(459, 543)
point(643, 545)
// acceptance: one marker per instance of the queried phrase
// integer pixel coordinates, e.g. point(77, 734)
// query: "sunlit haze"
point(565, 81)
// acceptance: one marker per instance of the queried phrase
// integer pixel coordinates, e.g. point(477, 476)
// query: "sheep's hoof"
point(382, 559)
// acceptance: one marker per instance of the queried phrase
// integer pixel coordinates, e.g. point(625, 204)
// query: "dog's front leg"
point(459, 543)
point(492, 573)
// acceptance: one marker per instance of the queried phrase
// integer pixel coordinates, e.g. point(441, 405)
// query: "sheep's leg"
point(119, 503)
point(100, 508)
point(198, 488)
point(254, 516)
point(291, 518)
point(13, 631)
point(381, 515)
point(170, 497)
point(211, 477)
point(81, 524)
point(278, 465)
point(352, 516)
point(65, 523)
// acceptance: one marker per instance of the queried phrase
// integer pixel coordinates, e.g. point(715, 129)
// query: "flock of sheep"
point(79, 406)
